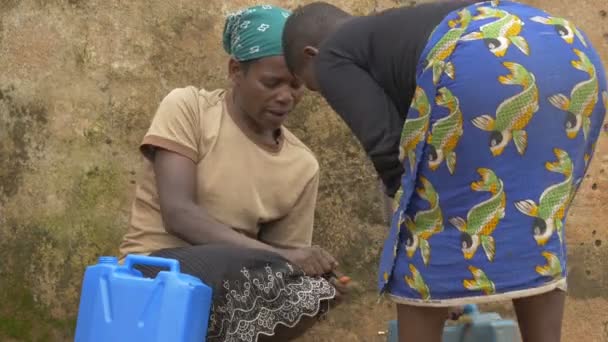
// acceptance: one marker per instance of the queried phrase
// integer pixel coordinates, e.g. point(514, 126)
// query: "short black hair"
point(308, 26)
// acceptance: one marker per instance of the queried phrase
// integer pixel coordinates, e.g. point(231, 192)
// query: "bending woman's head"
point(263, 87)
point(305, 30)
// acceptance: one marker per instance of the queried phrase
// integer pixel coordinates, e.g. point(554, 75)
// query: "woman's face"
point(265, 90)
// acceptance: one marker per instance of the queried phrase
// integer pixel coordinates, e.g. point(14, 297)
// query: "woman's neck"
point(259, 134)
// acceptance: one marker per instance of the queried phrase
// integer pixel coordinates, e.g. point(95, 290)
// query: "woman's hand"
point(314, 261)
point(342, 283)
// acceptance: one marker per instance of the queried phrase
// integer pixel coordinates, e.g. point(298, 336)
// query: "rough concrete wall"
point(79, 82)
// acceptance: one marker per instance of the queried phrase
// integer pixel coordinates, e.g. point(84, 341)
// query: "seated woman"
point(230, 193)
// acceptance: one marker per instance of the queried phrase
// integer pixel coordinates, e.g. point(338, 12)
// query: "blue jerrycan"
point(473, 326)
point(118, 304)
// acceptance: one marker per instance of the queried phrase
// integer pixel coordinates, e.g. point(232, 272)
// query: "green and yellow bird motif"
point(563, 27)
point(480, 282)
point(416, 282)
point(437, 58)
point(514, 113)
point(552, 269)
point(549, 212)
point(415, 129)
point(483, 218)
point(500, 34)
point(583, 98)
point(446, 132)
point(425, 224)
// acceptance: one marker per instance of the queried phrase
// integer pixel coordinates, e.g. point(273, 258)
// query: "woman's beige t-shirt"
point(268, 195)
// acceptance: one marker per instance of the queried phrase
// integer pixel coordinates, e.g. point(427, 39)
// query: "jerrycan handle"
point(133, 259)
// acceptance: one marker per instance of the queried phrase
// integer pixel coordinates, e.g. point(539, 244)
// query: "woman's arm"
point(176, 183)
point(183, 217)
point(367, 110)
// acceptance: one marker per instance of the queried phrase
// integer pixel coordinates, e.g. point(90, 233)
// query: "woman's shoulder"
point(201, 109)
point(194, 96)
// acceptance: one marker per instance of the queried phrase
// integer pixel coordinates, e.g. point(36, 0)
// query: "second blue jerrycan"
point(478, 326)
point(118, 304)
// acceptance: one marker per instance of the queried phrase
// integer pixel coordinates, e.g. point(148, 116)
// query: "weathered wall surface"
point(79, 82)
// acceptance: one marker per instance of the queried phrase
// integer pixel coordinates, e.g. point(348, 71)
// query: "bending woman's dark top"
point(367, 72)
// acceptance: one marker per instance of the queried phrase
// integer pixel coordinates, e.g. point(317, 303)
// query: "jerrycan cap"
point(107, 260)
point(470, 309)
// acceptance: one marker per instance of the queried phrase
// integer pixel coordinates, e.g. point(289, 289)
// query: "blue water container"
point(118, 304)
point(474, 327)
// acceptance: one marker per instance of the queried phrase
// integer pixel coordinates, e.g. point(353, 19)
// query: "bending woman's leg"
point(420, 324)
point(540, 317)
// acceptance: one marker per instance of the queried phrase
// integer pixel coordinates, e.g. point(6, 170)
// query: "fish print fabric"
point(508, 106)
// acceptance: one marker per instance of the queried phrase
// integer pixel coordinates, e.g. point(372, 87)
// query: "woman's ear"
point(235, 70)
point(310, 52)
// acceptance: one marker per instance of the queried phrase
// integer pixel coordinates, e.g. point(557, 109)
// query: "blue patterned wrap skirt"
point(509, 104)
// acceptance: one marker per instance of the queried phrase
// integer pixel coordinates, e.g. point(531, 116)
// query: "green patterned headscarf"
point(255, 32)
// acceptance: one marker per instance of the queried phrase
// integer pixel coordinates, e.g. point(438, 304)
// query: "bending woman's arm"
point(367, 110)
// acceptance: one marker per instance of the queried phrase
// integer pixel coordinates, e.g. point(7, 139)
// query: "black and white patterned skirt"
point(254, 291)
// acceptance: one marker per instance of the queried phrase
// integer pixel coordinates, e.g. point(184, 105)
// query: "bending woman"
point(230, 193)
point(481, 120)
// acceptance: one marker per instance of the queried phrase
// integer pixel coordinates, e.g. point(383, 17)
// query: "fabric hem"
point(158, 141)
point(315, 297)
point(297, 321)
point(556, 285)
